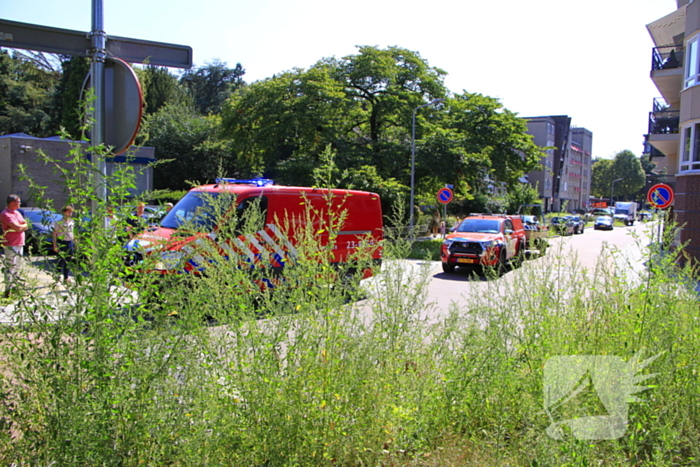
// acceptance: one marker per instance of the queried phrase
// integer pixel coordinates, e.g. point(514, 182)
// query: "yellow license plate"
point(466, 260)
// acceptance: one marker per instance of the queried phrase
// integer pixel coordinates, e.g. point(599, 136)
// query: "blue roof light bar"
point(250, 181)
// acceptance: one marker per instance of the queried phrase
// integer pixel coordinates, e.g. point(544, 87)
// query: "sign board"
point(16, 35)
point(123, 105)
point(660, 196)
point(444, 195)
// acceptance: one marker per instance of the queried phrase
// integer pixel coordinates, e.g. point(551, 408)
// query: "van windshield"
point(194, 209)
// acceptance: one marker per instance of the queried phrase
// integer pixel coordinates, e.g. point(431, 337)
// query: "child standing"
point(64, 241)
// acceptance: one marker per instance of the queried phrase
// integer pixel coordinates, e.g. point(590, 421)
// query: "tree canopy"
point(626, 167)
point(26, 96)
point(362, 106)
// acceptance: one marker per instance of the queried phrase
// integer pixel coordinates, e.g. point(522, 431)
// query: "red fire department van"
point(348, 218)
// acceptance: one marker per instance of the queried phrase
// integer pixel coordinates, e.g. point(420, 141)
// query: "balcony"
point(651, 151)
point(667, 71)
point(664, 122)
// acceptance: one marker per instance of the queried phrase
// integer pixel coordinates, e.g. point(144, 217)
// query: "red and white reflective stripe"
point(272, 243)
point(199, 259)
point(242, 246)
point(254, 241)
point(273, 228)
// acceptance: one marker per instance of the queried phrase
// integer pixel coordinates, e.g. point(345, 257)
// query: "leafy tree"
point(212, 84)
point(385, 86)
point(190, 141)
point(627, 167)
point(160, 87)
point(282, 124)
point(67, 108)
point(601, 177)
point(26, 92)
point(519, 195)
point(473, 137)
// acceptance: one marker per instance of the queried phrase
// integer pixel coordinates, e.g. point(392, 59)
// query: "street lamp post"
point(413, 160)
point(612, 191)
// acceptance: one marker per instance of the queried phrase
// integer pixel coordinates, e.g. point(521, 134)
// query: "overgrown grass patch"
point(426, 249)
point(319, 371)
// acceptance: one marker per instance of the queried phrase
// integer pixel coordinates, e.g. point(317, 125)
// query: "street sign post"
point(27, 36)
point(445, 196)
point(660, 196)
point(99, 47)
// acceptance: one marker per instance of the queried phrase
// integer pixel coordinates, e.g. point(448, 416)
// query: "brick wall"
point(23, 150)
point(687, 209)
point(45, 174)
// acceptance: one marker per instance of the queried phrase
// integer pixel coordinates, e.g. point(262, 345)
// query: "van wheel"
point(448, 268)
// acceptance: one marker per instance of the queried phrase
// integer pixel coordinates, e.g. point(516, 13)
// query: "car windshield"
point(195, 208)
point(42, 217)
point(479, 225)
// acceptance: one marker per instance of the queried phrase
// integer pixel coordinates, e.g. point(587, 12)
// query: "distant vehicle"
point(603, 223)
point(562, 225)
point(625, 212)
point(536, 229)
point(597, 212)
point(579, 223)
point(484, 240)
point(644, 216)
point(39, 237)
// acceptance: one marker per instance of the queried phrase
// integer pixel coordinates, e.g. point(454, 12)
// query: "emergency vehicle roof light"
point(251, 181)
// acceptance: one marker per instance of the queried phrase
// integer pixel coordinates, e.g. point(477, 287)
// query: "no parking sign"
point(444, 195)
point(660, 196)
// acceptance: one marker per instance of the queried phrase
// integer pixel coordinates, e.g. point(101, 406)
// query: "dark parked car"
point(39, 237)
point(603, 223)
point(562, 225)
point(578, 222)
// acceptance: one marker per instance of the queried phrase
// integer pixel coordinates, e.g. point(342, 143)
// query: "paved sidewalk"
point(37, 281)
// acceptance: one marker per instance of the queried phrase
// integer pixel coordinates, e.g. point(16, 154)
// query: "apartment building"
point(673, 138)
point(564, 180)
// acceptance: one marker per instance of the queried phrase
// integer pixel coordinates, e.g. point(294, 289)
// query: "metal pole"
point(97, 65)
point(413, 161)
point(612, 191)
point(444, 220)
point(413, 170)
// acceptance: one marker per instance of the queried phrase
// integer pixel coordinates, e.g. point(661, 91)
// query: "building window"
point(690, 158)
point(692, 69)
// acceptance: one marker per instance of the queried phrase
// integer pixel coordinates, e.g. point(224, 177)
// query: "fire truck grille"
point(471, 248)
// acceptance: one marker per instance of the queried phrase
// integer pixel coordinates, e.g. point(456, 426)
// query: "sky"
point(588, 59)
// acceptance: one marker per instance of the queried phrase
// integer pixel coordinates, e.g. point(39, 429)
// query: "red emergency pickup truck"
point(485, 240)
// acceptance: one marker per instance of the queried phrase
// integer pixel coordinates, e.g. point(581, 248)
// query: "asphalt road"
point(568, 261)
